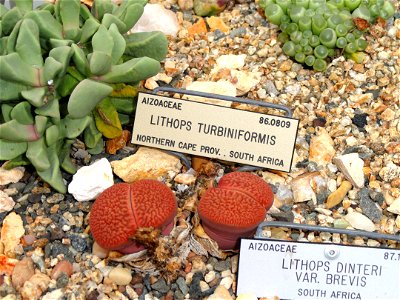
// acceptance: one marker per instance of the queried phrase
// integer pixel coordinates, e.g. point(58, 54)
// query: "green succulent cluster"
point(68, 71)
point(311, 30)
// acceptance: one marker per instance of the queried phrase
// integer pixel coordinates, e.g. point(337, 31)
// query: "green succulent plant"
point(68, 70)
point(311, 30)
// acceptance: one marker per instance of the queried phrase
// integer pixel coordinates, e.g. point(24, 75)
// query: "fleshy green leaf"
point(10, 150)
point(87, 94)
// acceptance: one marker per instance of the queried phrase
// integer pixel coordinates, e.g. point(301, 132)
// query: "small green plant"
point(66, 71)
point(311, 30)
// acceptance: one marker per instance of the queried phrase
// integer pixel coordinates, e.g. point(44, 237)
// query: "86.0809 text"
point(274, 122)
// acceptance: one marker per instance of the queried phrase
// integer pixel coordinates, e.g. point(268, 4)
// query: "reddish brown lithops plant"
point(123, 208)
point(235, 208)
point(250, 184)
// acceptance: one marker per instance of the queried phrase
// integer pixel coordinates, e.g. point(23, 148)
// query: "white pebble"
point(66, 227)
point(383, 55)
point(227, 282)
point(359, 221)
point(121, 276)
point(89, 181)
point(210, 276)
point(204, 286)
point(246, 297)
point(226, 273)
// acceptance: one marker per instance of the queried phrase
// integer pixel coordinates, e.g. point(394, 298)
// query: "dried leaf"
point(197, 247)
point(361, 23)
point(204, 166)
point(113, 145)
point(191, 203)
point(87, 2)
point(124, 91)
point(107, 120)
point(380, 22)
point(199, 231)
point(138, 256)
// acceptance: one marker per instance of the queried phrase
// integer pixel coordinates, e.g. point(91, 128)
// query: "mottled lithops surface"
point(348, 109)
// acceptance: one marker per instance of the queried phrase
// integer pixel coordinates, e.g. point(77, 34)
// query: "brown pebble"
point(199, 27)
point(28, 239)
point(337, 196)
point(122, 288)
point(41, 190)
point(153, 279)
point(188, 267)
point(93, 295)
point(40, 243)
point(285, 65)
point(136, 278)
point(319, 122)
point(392, 147)
point(139, 290)
point(54, 209)
point(214, 282)
point(359, 68)
point(395, 183)
point(63, 266)
point(23, 270)
point(168, 296)
point(217, 23)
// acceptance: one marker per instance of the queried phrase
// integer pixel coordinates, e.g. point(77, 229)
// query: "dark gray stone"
point(181, 283)
point(194, 288)
point(221, 265)
point(146, 282)
point(56, 233)
point(286, 216)
point(212, 260)
point(160, 286)
point(270, 88)
point(143, 294)
point(78, 242)
point(58, 248)
point(368, 206)
point(312, 166)
point(363, 151)
point(63, 221)
point(321, 197)
point(360, 120)
point(93, 295)
point(35, 198)
point(32, 182)
point(238, 32)
point(178, 295)
point(3, 216)
point(19, 186)
point(218, 34)
point(378, 197)
point(62, 280)
point(286, 208)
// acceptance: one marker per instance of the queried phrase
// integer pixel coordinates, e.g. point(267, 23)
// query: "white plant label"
point(213, 131)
